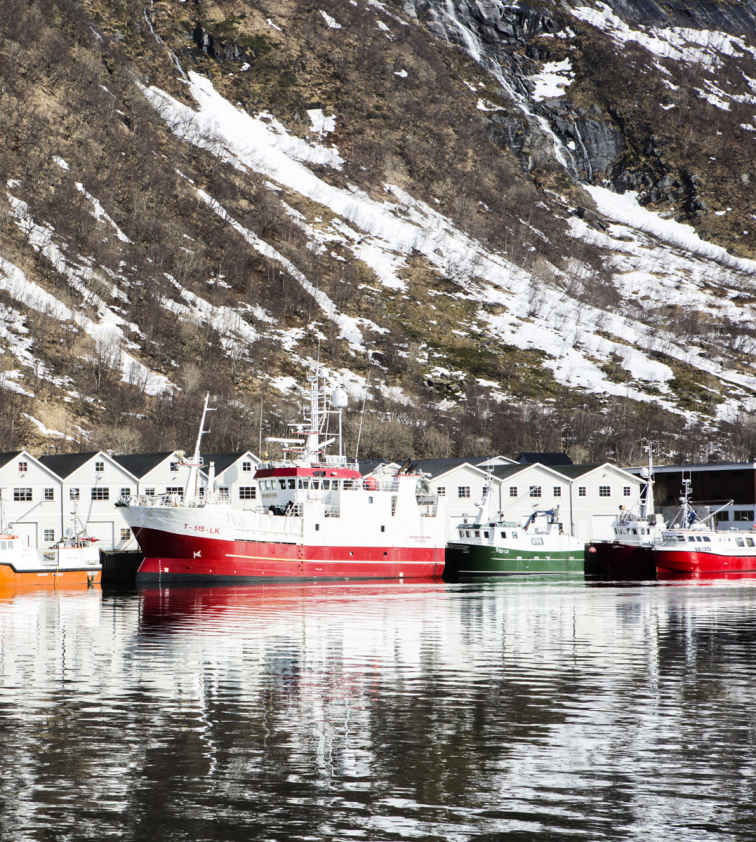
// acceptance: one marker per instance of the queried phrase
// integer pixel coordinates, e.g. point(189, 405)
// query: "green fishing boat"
point(502, 548)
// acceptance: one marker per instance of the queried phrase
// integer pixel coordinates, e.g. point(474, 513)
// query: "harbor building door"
point(602, 527)
point(27, 532)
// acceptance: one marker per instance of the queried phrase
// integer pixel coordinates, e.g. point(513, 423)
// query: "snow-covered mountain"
point(509, 225)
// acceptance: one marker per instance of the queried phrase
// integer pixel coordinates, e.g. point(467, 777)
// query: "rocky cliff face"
point(516, 226)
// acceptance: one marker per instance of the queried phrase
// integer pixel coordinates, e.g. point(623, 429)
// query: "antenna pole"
point(362, 413)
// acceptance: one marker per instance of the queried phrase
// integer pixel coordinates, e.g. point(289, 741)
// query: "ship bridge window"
point(745, 514)
point(503, 534)
point(477, 533)
point(536, 541)
point(326, 484)
point(691, 538)
point(316, 483)
point(680, 538)
point(292, 483)
point(282, 483)
point(749, 542)
point(485, 533)
point(740, 542)
point(707, 539)
point(348, 484)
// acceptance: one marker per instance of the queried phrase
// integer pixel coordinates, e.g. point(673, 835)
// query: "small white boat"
point(23, 566)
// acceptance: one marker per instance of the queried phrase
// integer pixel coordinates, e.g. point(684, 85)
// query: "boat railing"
point(376, 484)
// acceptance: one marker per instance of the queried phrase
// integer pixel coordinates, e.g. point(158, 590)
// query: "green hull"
point(472, 560)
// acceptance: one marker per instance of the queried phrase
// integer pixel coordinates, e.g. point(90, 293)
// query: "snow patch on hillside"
point(385, 233)
point(99, 212)
point(698, 46)
point(626, 209)
point(109, 330)
point(555, 77)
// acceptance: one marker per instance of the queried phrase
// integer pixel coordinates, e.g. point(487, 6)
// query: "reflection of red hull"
point(677, 564)
point(612, 560)
point(188, 558)
point(164, 605)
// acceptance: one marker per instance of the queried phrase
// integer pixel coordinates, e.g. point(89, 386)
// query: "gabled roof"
point(5, 458)
point(225, 460)
point(64, 464)
point(436, 467)
point(494, 460)
point(506, 471)
point(140, 464)
point(552, 458)
point(575, 471)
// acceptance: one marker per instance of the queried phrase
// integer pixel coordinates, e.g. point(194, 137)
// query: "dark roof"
point(64, 464)
point(550, 458)
point(574, 471)
point(436, 467)
point(367, 466)
point(221, 460)
point(140, 464)
point(505, 471)
point(6, 457)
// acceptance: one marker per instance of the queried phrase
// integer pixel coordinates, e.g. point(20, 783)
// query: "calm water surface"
point(497, 710)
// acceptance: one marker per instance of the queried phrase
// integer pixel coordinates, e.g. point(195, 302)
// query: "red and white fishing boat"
point(628, 554)
point(317, 518)
point(692, 548)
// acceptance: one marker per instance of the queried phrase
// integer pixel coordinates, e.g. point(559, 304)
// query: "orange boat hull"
point(32, 579)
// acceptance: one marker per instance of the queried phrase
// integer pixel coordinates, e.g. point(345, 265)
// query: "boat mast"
point(194, 465)
point(647, 497)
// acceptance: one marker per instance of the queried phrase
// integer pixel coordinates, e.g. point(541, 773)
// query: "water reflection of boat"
point(165, 605)
point(10, 589)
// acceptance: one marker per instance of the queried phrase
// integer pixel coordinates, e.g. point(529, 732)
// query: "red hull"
point(192, 559)
point(676, 564)
point(611, 560)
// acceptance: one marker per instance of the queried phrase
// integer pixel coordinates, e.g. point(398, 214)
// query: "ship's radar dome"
point(339, 398)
